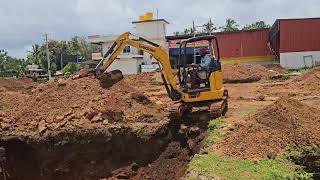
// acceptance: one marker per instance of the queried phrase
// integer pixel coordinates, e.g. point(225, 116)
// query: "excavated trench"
point(310, 162)
point(116, 153)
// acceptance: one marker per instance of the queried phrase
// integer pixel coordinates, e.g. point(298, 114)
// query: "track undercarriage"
point(215, 108)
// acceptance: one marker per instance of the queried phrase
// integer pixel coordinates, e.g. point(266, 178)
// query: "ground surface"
point(71, 129)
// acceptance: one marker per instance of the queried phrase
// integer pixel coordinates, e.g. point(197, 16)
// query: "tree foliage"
point(70, 68)
point(76, 46)
point(256, 25)
point(231, 25)
point(10, 66)
point(188, 31)
point(209, 27)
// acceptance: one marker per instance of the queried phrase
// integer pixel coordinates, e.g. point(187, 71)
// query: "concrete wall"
point(297, 60)
point(153, 29)
point(127, 65)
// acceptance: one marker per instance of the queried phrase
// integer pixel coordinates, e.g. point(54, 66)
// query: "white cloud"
point(24, 22)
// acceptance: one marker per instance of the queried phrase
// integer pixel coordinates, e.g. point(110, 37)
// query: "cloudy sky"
point(23, 22)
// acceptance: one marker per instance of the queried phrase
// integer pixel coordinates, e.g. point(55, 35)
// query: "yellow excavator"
point(192, 86)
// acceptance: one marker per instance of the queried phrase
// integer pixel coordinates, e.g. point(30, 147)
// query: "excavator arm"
point(155, 50)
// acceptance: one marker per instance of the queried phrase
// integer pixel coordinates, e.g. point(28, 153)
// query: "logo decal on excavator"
point(146, 48)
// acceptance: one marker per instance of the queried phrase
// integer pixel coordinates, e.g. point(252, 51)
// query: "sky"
point(24, 22)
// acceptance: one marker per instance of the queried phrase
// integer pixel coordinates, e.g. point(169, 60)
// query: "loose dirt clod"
point(287, 123)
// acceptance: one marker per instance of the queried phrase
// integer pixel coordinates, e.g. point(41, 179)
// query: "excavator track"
point(218, 109)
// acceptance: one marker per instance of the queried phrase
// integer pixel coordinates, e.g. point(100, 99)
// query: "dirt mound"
point(277, 68)
point(243, 73)
point(309, 81)
point(286, 123)
point(13, 84)
point(73, 104)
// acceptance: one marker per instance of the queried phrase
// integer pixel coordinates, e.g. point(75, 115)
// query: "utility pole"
point(194, 43)
point(48, 59)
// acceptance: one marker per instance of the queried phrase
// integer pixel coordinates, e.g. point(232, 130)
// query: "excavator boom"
point(155, 50)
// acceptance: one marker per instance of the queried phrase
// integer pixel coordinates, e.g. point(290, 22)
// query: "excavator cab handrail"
point(198, 38)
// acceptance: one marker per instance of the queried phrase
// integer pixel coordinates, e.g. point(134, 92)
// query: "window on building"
point(126, 49)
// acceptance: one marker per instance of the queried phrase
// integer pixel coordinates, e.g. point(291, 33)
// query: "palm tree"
point(209, 27)
point(231, 25)
point(186, 31)
point(35, 54)
point(256, 25)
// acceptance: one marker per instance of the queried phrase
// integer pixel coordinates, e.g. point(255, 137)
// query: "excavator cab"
point(195, 77)
point(201, 83)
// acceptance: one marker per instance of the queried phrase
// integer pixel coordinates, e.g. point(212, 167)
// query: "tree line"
point(77, 46)
point(230, 25)
point(10, 66)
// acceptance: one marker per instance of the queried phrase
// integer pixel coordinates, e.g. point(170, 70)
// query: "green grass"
point(214, 134)
point(211, 166)
point(215, 123)
point(250, 110)
point(301, 70)
point(214, 166)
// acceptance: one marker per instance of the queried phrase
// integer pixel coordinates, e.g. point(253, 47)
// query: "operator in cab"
point(208, 62)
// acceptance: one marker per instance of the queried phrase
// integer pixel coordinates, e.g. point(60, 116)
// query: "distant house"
point(34, 71)
point(132, 60)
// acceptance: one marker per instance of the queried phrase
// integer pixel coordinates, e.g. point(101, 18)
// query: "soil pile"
point(286, 123)
point(309, 81)
point(277, 67)
point(73, 104)
point(12, 84)
point(243, 73)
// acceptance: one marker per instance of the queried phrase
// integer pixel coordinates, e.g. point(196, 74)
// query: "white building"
point(131, 59)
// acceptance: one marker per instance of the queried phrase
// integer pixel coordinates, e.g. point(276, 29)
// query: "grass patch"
point(213, 166)
point(250, 110)
point(215, 123)
point(214, 134)
point(301, 70)
point(308, 158)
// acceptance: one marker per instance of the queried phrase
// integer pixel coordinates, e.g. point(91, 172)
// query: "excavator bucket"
point(106, 79)
point(110, 78)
